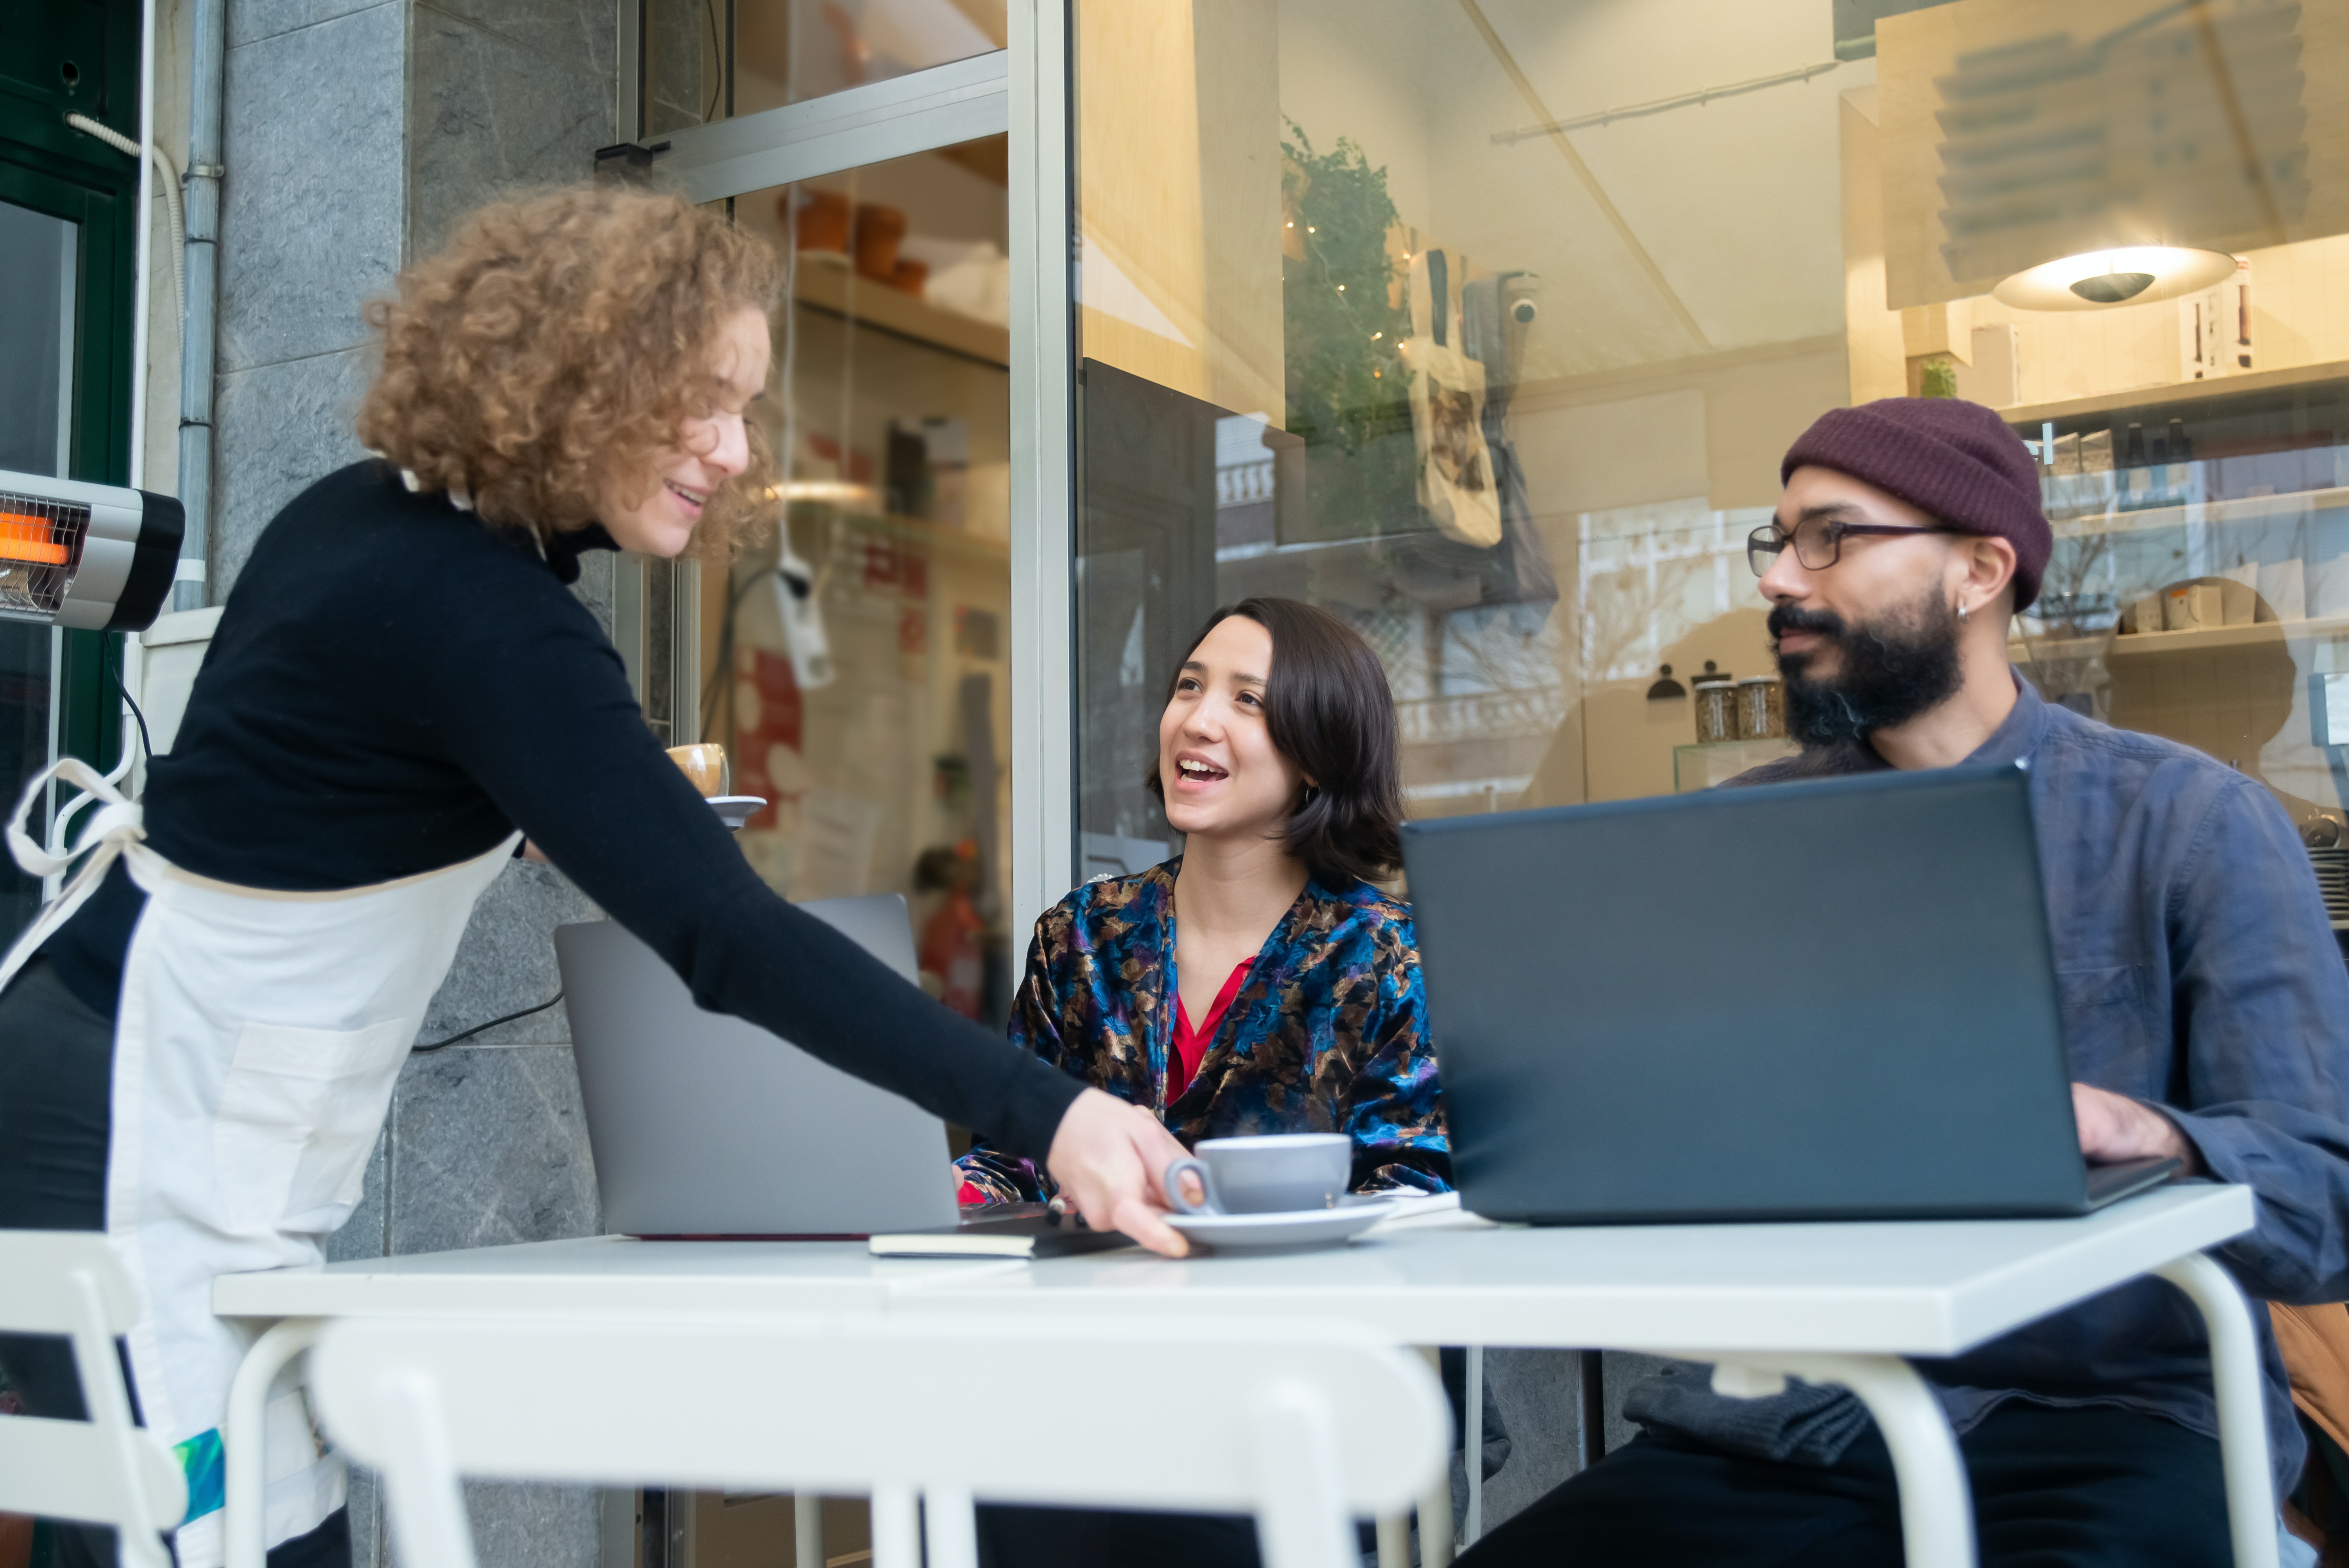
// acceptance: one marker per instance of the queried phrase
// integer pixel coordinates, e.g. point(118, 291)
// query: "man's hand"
point(2114, 1127)
point(1108, 1156)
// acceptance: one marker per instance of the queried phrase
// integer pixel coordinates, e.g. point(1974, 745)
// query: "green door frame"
point(81, 57)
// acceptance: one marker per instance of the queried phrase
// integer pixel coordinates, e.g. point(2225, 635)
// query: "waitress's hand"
point(1108, 1156)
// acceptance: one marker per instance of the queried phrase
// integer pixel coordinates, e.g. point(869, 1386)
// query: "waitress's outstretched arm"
point(526, 695)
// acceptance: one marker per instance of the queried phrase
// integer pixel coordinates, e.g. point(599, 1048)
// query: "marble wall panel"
point(278, 428)
point(489, 1148)
point(1540, 1395)
point(367, 1232)
point(250, 21)
point(532, 1526)
point(580, 35)
point(314, 125)
point(506, 961)
point(491, 116)
point(368, 1549)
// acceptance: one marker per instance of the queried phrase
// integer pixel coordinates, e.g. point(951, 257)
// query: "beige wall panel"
point(1139, 184)
point(1236, 45)
point(1179, 186)
point(1878, 357)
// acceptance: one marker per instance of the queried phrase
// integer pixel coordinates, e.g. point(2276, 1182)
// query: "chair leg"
point(1301, 1519)
point(427, 1503)
point(950, 1528)
point(896, 1528)
point(1436, 1526)
point(807, 1530)
point(1474, 1458)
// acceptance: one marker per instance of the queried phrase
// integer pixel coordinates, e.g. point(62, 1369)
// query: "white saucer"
point(735, 809)
point(1296, 1228)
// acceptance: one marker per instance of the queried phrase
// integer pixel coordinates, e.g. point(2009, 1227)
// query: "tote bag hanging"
point(1447, 414)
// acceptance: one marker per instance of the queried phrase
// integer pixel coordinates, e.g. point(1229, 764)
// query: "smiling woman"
point(1257, 983)
point(199, 1059)
point(655, 313)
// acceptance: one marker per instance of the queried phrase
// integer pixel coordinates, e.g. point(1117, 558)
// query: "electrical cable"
point(146, 747)
point(493, 1023)
point(170, 172)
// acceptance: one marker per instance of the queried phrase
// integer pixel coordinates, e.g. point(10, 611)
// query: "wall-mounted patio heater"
point(84, 556)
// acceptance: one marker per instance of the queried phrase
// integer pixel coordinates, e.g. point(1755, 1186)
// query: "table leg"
point(1435, 1525)
point(1475, 1457)
point(244, 1488)
point(1937, 1518)
point(1394, 1542)
point(807, 1530)
point(2242, 1406)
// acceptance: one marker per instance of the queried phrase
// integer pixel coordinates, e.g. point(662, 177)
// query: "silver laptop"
point(702, 1125)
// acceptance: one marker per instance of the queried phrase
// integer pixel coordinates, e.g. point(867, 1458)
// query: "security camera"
point(1517, 291)
point(1523, 312)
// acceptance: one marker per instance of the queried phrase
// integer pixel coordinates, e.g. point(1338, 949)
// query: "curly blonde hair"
point(556, 343)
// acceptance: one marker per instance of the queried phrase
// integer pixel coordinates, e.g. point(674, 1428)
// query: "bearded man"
point(2206, 1017)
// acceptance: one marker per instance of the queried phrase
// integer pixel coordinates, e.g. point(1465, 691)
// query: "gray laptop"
point(1825, 1000)
point(702, 1125)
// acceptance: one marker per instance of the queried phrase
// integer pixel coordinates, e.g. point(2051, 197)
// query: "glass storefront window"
point(856, 666)
point(36, 402)
point(1484, 323)
point(707, 61)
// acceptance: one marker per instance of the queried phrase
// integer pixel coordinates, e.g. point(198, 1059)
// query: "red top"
point(1190, 1044)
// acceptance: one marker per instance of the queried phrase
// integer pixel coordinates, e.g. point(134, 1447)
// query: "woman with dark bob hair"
point(199, 1040)
point(1257, 982)
point(1285, 997)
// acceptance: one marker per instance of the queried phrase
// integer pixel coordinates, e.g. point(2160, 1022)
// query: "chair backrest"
point(1307, 1430)
point(105, 1470)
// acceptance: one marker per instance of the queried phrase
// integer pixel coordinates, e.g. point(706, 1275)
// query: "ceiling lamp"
point(2135, 274)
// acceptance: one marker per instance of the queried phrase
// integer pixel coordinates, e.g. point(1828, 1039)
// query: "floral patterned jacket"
point(1327, 1034)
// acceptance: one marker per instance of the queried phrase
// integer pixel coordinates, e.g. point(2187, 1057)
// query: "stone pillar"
point(358, 132)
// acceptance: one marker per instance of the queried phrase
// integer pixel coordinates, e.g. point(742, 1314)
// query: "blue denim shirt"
point(2198, 974)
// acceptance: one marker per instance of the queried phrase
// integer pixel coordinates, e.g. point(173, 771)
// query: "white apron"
point(258, 1040)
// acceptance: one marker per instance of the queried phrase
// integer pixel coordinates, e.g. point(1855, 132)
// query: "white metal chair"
point(106, 1469)
point(1307, 1432)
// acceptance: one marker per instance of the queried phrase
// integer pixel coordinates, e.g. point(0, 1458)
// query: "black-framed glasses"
point(1817, 540)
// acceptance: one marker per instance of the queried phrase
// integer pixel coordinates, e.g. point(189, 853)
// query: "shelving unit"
point(2249, 383)
point(1701, 766)
point(825, 282)
point(2081, 516)
point(2201, 639)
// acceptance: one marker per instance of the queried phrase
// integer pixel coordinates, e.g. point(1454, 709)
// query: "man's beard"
point(1892, 669)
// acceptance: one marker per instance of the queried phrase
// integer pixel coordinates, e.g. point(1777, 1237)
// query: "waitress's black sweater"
point(394, 687)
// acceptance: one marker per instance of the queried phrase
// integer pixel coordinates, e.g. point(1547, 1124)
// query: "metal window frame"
point(1022, 89)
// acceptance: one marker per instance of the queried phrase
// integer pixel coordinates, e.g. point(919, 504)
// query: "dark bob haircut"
point(1328, 709)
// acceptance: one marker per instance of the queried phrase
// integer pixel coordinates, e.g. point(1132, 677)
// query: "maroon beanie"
point(1955, 461)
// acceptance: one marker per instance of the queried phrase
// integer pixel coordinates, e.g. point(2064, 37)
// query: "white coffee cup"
point(1278, 1173)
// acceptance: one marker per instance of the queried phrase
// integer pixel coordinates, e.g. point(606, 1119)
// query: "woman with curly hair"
point(199, 1044)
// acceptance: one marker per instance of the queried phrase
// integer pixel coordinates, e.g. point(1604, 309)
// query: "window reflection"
point(855, 665)
point(1485, 325)
point(707, 61)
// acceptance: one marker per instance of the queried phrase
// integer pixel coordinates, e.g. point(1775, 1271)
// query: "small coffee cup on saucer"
point(1279, 1191)
point(704, 765)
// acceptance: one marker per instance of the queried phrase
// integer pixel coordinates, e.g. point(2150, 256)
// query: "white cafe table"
point(1832, 1303)
point(540, 1279)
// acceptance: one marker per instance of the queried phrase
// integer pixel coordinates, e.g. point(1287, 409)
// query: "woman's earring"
point(1312, 793)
